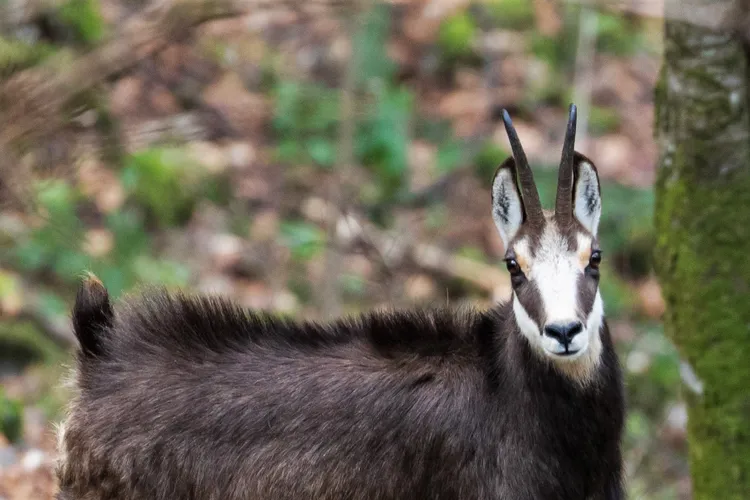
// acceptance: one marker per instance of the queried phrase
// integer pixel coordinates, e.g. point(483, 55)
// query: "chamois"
point(185, 397)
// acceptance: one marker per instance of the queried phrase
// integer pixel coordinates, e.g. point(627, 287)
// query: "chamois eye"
point(513, 268)
point(595, 259)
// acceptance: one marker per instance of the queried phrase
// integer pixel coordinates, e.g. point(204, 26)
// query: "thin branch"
point(583, 72)
point(338, 186)
point(696, 12)
point(56, 328)
point(15, 13)
point(31, 98)
point(397, 250)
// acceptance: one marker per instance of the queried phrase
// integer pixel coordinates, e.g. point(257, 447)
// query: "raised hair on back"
point(191, 397)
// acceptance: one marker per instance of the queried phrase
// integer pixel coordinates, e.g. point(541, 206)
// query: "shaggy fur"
point(193, 398)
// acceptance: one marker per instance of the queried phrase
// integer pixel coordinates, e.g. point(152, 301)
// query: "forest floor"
point(237, 97)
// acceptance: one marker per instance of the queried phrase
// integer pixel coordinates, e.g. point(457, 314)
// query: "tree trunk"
point(703, 249)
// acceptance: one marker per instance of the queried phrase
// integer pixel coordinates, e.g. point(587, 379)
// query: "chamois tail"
point(92, 313)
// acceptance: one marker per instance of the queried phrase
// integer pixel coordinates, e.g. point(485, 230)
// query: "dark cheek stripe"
point(587, 287)
point(531, 300)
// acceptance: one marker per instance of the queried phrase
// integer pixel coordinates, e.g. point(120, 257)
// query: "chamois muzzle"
point(564, 333)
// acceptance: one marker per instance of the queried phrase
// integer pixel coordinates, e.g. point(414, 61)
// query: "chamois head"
point(553, 257)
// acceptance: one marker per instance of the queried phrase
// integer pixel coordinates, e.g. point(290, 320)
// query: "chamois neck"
point(518, 359)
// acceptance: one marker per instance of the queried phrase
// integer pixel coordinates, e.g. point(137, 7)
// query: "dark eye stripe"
point(586, 294)
point(531, 299)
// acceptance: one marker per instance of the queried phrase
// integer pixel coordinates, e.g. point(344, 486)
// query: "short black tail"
point(92, 313)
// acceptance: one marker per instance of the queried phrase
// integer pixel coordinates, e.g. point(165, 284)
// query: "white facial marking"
point(555, 271)
point(62, 450)
point(507, 210)
point(593, 325)
point(525, 323)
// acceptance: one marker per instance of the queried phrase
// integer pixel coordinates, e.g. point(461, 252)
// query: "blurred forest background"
point(313, 158)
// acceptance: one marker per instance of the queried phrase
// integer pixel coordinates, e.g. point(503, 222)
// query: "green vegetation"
point(303, 239)
point(47, 246)
point(149, 175)
point(514, 14)
point(373, 67)
point(488, 159)
point(457, 35)
point(84, 19)
point(57, 244)
point(22, 344)
point(16, 55)
point(603, 120)
point(559, 51)
point(305, 121)
point(616, 35)
point(383, 139)
point(11, 417)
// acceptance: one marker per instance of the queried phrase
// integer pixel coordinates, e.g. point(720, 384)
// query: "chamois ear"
point(507, 207)
point(587, 197)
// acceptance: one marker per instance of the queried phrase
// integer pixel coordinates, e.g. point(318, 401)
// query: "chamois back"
point(196, 398)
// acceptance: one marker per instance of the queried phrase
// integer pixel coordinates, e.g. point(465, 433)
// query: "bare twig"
point(331, 300)
point(17, 12)
point(702, 13)
point(583, 71)
point(57, 328)
point(399, 249)
point(31, 98)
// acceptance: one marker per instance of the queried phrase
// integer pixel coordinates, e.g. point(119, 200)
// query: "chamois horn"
point(564, 200)
point(532, 205)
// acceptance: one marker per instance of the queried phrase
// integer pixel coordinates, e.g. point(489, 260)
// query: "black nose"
point(563, 332)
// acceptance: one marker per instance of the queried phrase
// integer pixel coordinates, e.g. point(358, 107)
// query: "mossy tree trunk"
point(703, 251)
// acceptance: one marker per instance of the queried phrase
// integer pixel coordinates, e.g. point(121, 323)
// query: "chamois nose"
point(563, 332)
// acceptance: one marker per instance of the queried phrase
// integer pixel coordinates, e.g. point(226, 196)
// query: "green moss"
point(456, 37)
point(488, 159)
point(514, 14)
point(603, 120)
point(304, 240)
point(473, 253)
point(353, 287)
point(166, 181)
point(11, 417)
point(370, 43)
point(701, 254)
point(558, 51)
point(17, 55)
point(85, 19)
point(617, 35)
point(550, 90)
point(23, 344)
point(616, 293)
point(705, 272)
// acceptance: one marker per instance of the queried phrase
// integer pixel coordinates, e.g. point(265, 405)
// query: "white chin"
point(571, 355)
point(557, 351)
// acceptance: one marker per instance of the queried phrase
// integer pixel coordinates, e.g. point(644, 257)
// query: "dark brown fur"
point(192, 398)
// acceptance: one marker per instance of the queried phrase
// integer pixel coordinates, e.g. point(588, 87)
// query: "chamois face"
point(553, 257)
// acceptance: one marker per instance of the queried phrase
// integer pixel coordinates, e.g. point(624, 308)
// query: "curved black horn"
point(564, 200)
point(531, 202)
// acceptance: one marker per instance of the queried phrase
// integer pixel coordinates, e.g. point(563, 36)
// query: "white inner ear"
point(587, 205)
point(507, 210)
